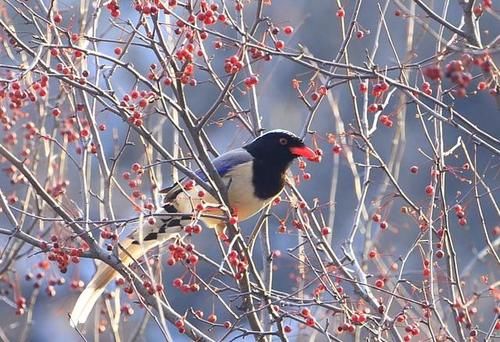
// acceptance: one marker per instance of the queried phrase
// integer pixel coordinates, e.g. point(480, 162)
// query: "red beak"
point(305, 152)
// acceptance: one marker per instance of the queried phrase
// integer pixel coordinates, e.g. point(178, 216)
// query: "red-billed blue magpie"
point(254, 175)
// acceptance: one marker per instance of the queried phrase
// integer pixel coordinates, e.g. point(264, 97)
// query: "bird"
point(253, 174)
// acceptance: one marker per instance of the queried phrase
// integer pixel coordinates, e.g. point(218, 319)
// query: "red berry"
point(251, 81)
point(56, 112)
point(233, 220)
point(279, 45)
point(118, 51)
point(429, 190)
point(167, 81)
point(384, 119)
point(379, 283)
point(310, 321)
point(384, 86)
point(84, 133)
point(177, 282)
point(136, 167)
point(57, 18)
point(336, 148)
point(193, 259)
point(288, 30)
point(340, 12)
point(212, 318)
point(373, 108)
point(197, 229)
point(363, 87)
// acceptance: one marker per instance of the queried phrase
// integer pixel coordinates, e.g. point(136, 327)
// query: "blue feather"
point(227, 161)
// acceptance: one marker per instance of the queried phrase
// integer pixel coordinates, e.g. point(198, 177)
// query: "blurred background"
point(316, 30)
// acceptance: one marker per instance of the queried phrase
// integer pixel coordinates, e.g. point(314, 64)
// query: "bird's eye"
point(283, 141)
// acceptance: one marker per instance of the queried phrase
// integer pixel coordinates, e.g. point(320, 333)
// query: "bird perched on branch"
point(253, 174)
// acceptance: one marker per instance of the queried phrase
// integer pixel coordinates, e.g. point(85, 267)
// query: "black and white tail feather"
point(145, 238)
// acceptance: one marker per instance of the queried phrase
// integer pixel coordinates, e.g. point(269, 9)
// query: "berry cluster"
point(63, 254)
point(359, 317)
point(180, 252)
point(133, 176)
point(378, 91)
point(58, 188)
point(251, 81)
point(135, 182)
point(346, 327)
point(114, 8)
point(458, 71)
point(180, 325)
point(233, 64)
point(239, 262)
point(309, 318)
point(151, 287)
point(107, 234)
point(136, 102)
point(127, 309)
point(378, 219)
point(411, 330)
point(318, 290)
point(302, 167)
point(460, 213)
point(50, 289)
point(20, 305)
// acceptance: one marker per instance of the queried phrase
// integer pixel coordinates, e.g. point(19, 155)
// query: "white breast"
point(240, 192)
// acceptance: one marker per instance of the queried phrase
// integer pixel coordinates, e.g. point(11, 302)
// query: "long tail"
point(151, 236)
point(103, 276)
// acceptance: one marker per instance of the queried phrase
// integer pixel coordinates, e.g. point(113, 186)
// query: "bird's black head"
point(273, 152)
point(279, 147)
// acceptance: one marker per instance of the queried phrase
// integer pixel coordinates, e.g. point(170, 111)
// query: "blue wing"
point(223, 164)
point(227, 161)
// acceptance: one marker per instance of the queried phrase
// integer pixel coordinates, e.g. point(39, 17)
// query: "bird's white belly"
point(240, 192)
